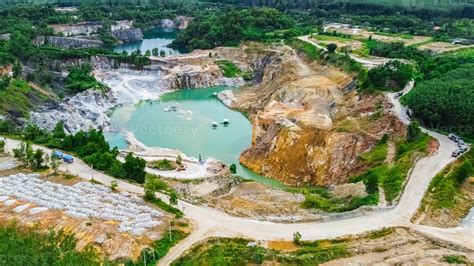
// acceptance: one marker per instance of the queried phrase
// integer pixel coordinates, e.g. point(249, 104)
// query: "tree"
point(463, 172)
point(147, 53)
point(162, 53)
point(179, 160)
point(233, 169)
point(2, 146)
point(38, 158)
point(58, 131)
point(4, 82)
point(16, 69)
point(134, 168)
point(414, 131)
point(173, 198)
point(296, 237)
point(332, 48)
point(20, 153)
point(54, 164)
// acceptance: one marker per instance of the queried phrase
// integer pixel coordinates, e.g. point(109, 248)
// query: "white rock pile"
point(83, 200)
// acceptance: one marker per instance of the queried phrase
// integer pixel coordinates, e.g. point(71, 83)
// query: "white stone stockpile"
point(83, 200)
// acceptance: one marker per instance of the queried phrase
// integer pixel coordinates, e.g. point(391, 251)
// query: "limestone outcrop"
point(128, 35)
point(67, 42)
point(83, 28)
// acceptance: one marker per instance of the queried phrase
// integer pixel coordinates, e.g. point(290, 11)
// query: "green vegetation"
point(29, 157)
point(393, 76)
point(376, 155)
point(162, 165)
point(158, 249)
point(342, 61)
point(162, 205)
point(444, 190)
point(233, 169)
point(18, 99)
point(321, 199)
point(32, 247)
point(454, 259)
point(446, 102)
point(90, 146)
point(238, 252)
point(380, 233)
point(231, 70)
point(80, 79)
point(152, 185)
point(230, 26)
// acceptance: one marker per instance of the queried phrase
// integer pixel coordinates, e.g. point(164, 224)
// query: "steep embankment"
point(309, 126)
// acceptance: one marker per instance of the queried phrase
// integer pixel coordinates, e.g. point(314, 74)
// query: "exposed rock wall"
point(128, 35)
point(179, 22)
point(309, 127)
point(83, 28)
point(67, 42)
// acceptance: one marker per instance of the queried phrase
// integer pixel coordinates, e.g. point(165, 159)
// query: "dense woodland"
point(446, 102)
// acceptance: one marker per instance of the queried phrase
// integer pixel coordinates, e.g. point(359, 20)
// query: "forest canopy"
point(446, 102)
point(229, 27)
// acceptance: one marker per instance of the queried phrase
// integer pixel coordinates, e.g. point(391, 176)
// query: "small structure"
point(226, 122)
point(214, 124)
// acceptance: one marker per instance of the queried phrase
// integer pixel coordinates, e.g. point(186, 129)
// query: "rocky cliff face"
point(67, 42)
point(128, 35)
point(179, 22)
point(83, 28)
point(308, 126)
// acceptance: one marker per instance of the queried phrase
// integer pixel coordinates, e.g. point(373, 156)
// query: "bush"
point(162, 165)
point(80, 79)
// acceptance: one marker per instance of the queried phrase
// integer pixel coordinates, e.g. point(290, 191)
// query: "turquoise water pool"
point(189, 129)
point(153, 38)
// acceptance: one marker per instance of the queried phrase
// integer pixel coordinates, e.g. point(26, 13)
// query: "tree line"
point(90, 146)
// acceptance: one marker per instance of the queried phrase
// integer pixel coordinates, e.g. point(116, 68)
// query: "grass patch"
point(18, 99)
point(231, 70)
point(381, 233)
point(162, 165)
point(321, 199)
point(454, 259)
point(328, 38)
point(237, 252)
point(444, 189)
point(164, 206)
point(311, 52)
point(376, 156)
